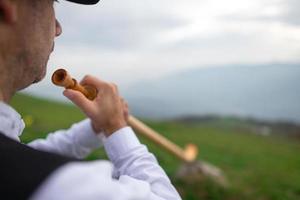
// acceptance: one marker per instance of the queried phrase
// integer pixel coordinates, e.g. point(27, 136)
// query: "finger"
point(126, 115)
point(115, 89)
point(127, 108)
point(91, 80)
point(124, 103)
point(79, 100)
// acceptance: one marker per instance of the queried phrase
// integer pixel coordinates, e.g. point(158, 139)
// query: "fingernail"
point(67, 93)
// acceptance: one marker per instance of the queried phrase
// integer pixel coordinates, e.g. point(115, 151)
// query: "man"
point(50, 168)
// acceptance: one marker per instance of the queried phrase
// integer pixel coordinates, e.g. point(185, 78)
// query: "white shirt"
point(132, 174)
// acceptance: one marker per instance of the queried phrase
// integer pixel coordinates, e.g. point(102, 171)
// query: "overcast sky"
point(128, 40)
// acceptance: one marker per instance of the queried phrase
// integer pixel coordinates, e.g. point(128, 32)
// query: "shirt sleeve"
point(132, 174)
point(76, 142)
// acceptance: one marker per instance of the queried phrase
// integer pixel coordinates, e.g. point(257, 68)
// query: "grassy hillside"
point(257, 167)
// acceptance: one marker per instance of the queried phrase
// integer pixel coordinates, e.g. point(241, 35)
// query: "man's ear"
point(8, 11)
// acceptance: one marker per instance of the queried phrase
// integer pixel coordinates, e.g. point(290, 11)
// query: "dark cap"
point(86, 2)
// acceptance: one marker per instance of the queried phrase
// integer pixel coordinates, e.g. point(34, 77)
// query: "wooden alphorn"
point(61, 78)
point(188, 154)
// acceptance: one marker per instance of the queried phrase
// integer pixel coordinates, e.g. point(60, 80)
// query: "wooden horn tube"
point(189, 154)
point(61, 78)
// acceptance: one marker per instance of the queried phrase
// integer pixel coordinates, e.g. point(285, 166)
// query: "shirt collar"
point(11, 122)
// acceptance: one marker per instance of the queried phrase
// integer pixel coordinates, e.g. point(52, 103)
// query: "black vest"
point(23, 168)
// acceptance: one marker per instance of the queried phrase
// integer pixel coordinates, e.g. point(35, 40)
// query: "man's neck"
point(11, 74)
point(1, 97)
point(6, 84)
point(5, 97)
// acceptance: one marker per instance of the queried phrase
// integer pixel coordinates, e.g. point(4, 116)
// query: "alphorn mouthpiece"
point(61, 78)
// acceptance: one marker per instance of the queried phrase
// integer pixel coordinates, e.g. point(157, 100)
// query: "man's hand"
point(108, 111)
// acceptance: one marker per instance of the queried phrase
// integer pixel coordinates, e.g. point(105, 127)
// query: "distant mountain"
point(270, 92)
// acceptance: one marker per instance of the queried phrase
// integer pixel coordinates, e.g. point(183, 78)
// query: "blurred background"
point(222, 74)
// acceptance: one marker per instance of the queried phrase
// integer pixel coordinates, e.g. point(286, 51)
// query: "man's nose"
point(58, 29)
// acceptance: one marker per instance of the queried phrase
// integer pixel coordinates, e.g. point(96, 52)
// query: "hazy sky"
point(128, 40)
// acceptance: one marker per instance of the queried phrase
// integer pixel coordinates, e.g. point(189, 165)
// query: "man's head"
point(27, 32)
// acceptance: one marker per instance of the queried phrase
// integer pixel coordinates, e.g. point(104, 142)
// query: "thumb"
point(79, 100)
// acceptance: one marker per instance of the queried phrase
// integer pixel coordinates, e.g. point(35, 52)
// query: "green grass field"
point(257, 167)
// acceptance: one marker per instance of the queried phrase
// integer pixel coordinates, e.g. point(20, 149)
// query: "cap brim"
point(86, 2)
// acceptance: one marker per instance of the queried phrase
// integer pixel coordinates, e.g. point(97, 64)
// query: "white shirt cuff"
point(120, 142)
